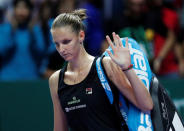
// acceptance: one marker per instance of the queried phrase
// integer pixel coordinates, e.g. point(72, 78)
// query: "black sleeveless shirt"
point(86, 104)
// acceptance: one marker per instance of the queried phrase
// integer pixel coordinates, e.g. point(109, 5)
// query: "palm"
point(121, 54)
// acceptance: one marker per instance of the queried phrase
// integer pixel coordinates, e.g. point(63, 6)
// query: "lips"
point(64, 55)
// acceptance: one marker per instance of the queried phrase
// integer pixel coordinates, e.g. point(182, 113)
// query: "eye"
point(66, 41)
point(56, 44)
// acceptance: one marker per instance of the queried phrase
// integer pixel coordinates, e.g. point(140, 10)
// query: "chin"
point(67, 58)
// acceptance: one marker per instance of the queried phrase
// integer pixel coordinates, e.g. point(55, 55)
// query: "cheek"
point(73, 49)
point(75, 45)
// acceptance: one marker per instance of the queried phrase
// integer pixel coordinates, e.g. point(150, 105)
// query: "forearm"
point(142, 96)
point(180, 58)
point(60, 122)
point(179, 52)
point(169, 43)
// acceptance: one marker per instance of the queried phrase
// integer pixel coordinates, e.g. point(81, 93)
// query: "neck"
point(82, 60)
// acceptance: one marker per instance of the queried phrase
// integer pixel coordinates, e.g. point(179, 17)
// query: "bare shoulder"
point(53, 81)
point(110, 67)
point(109, 64)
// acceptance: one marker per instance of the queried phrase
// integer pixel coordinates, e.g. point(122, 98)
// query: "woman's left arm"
point(143, 98)
point(135, 90)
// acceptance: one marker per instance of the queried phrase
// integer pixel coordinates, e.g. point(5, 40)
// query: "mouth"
point(64, 55)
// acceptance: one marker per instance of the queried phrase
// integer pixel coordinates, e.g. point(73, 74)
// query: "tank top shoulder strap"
point(61, 76)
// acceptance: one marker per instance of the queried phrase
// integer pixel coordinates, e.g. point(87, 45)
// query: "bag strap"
point(108, 91)
point(164, 109)
point(103, 80)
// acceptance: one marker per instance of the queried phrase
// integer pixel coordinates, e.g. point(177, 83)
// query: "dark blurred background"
point(28, 56)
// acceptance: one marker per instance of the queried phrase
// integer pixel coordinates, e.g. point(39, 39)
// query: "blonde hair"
point(73, 19)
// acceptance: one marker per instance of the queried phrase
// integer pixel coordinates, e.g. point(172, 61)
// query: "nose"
point(61, 48)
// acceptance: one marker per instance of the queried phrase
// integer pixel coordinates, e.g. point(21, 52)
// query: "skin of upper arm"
point(60, 123)
point(53, 83)
point(116, 75)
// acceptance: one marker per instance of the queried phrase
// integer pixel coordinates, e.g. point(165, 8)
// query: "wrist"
point(128, 68)
point(159, 59)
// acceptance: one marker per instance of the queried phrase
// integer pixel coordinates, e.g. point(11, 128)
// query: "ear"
point(81, 36)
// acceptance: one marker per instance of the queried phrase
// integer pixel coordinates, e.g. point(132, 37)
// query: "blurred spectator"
point(94, 29)
point(2, 11)
point(1, 15)
point(180, 39)
point(52, 60)
point(1, 28)
point(163, 19)
point(66, 6)
point(21, 45)
point(112, 12)
point(132, 24)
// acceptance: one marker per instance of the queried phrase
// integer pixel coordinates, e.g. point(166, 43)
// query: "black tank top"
point(86, 104)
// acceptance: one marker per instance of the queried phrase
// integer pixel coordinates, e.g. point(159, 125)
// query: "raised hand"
point(121, 54)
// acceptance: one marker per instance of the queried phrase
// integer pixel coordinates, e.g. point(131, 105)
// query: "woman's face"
point(136, 6)
point(22, 12)
point(67, 42)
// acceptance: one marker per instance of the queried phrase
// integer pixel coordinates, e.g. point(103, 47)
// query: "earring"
point(81, 42)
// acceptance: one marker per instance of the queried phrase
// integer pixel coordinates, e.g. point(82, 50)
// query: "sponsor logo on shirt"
point(68, 109)
point(89, 91)
point(73, 101)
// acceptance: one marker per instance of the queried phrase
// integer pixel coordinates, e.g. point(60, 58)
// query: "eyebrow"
point(67, 39)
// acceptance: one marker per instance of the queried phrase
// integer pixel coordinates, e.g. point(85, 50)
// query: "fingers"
point(119, 41)
point(126, 44)
point(110, 42)
point(115, 38)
